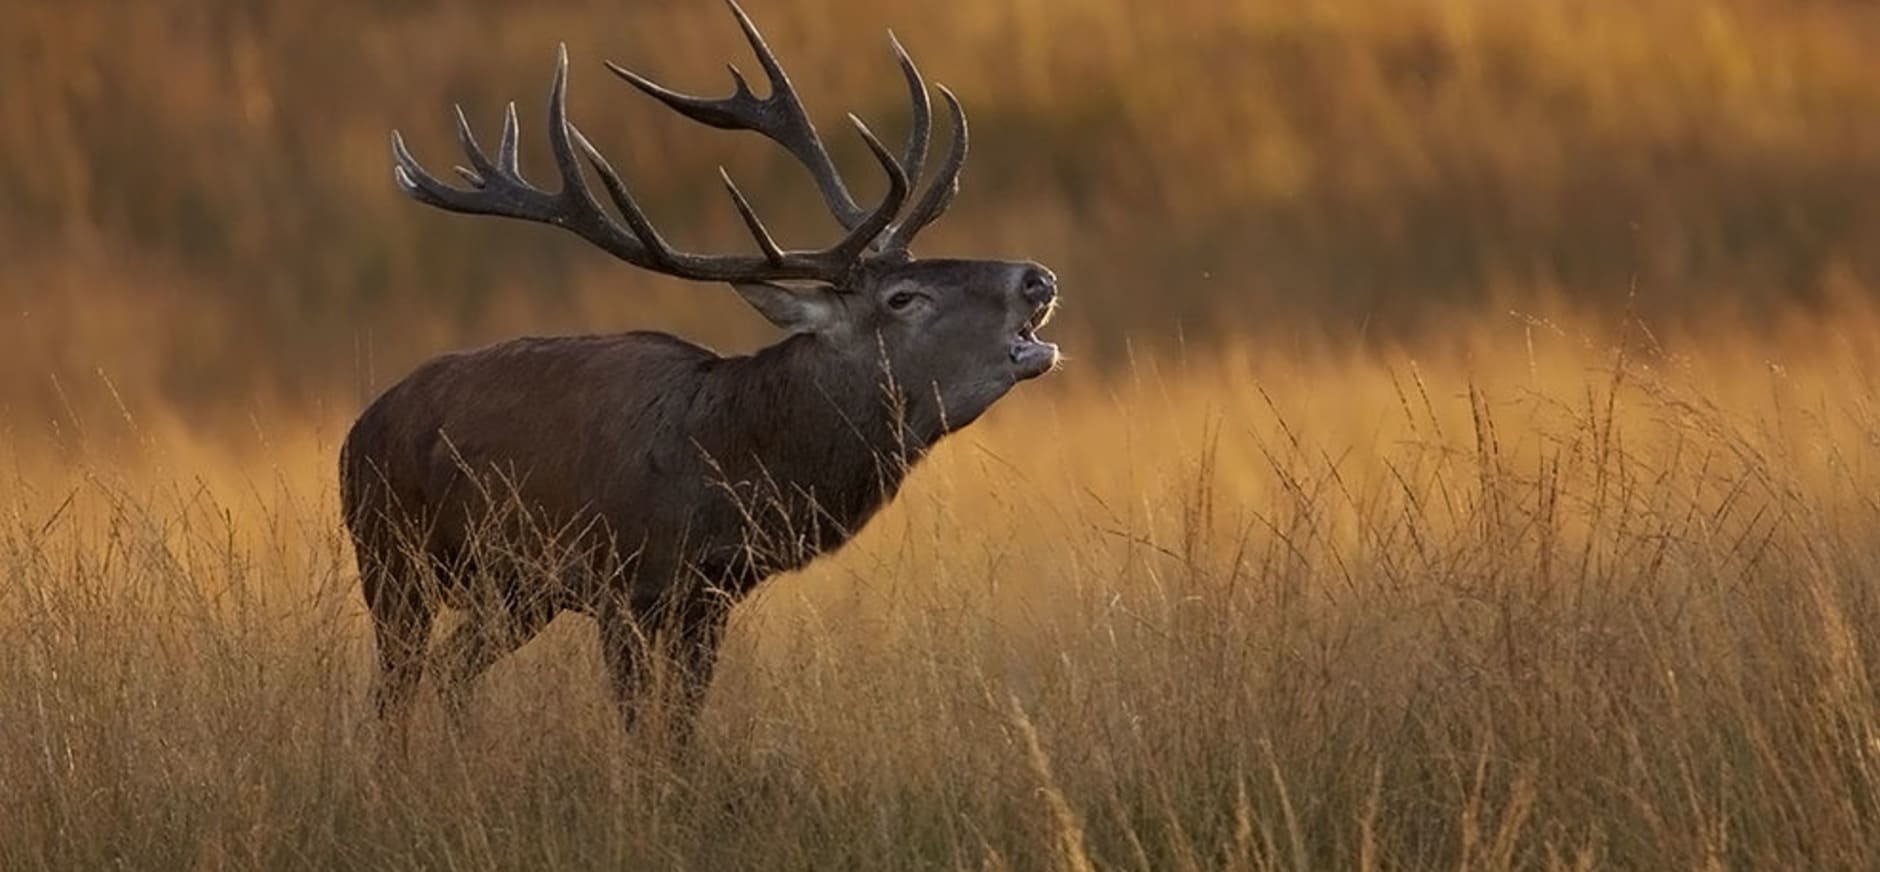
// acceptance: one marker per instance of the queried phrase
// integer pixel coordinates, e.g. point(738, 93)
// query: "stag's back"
point(567, 429)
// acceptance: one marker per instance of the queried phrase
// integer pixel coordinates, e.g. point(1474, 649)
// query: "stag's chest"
point(763, 523)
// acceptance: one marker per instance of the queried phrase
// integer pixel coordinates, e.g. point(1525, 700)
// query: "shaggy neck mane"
point(801, 422)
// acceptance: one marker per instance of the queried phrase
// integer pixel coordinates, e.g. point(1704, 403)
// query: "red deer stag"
point(644, 480)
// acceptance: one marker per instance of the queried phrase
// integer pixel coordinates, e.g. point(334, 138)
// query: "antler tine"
point(481, 168)
point(506, 156)
point(944, 186)
point(779, 116)
point(582, 213)
point(920, 124)
point(764, 240)
point(862, 235)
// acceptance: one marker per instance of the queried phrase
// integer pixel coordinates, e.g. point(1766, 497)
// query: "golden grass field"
point(1550, 597)
point(1467, 459)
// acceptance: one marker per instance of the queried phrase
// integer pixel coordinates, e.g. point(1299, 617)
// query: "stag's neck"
point(813, 421)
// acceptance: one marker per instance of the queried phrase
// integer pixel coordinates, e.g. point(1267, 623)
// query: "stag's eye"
point(901, 300)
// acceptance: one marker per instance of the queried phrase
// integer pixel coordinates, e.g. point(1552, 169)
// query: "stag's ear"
point(798, 310)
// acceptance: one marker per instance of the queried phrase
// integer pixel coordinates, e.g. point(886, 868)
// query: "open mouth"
point(1032, 356)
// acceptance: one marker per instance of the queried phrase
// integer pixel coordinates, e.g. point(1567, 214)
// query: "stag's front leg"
point(700, 631)
point(623, 646)
point(687, 637)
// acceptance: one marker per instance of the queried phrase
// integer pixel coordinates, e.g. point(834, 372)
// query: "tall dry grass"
point(1547, 596)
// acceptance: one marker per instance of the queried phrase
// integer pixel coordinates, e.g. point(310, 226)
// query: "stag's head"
point(953, 334)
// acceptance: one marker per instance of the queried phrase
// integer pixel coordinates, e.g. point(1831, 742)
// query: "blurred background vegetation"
point(196, 203)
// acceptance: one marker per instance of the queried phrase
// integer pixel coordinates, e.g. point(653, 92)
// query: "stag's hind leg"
point(402, 616)
point(487, 635)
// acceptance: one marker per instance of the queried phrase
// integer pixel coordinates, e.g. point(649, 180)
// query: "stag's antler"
point(498, 188)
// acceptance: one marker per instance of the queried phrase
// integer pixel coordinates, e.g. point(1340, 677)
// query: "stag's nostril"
point(1038, 286)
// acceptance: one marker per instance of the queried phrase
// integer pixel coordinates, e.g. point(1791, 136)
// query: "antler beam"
point(497, 186)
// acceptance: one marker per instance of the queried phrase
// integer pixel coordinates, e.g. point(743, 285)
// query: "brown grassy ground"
point(1543, 598)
